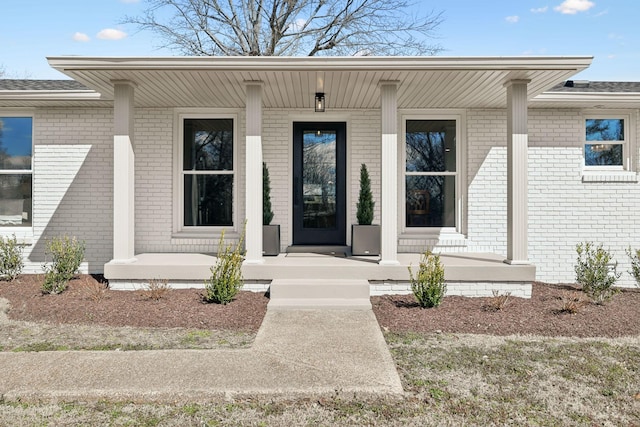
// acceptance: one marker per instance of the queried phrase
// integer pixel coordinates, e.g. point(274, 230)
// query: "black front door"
point(319, 183)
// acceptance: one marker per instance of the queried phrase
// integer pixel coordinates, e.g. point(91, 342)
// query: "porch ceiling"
point(348, 82)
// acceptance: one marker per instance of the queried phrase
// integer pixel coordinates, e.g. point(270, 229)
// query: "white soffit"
point(349, 82)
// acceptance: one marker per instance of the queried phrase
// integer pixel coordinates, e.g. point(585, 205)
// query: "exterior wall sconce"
point(320, 102)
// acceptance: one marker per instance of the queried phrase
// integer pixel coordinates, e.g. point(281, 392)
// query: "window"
point(207, 172)
point(431, 173)
point(16, 171)
point(606, 142)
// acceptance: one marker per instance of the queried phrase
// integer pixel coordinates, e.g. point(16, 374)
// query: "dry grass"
point(449, 380)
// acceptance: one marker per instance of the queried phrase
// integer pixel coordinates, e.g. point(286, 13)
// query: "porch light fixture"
point(319, 102)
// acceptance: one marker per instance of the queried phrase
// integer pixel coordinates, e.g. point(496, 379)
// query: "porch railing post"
point(389, 172)
point(517, 185)
point(123, 172)
point(253, 173)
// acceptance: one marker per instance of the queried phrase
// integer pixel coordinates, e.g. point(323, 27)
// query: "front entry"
point(319, 183)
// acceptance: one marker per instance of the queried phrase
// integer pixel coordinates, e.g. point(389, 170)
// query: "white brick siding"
point(72, 183)
point(73, 167)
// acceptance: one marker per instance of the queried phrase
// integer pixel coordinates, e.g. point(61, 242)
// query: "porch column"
point(253, 174)
point(389, 173)
point(517, 188)
point(123, 172)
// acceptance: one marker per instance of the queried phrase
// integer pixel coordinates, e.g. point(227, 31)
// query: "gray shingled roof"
point(44, 85)
point(603, 87)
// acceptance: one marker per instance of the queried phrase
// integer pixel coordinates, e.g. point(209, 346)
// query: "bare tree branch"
point(292, 27)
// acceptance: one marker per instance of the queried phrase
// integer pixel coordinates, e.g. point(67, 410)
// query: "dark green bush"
point(267, 212)
point(365, 204)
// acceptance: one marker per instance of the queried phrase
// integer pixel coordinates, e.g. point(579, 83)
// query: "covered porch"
point(467, 274)
point(389, 87)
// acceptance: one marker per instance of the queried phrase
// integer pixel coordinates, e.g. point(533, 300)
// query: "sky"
point(31, 30)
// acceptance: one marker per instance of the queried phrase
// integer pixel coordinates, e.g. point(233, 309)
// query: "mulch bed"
point(88, 301)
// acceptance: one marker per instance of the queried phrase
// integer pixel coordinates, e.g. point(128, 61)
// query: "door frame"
point(342, 127)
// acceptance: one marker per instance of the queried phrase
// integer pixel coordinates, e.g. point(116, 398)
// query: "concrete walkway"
point(295, 352)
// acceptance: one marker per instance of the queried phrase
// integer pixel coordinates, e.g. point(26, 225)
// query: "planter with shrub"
point(365, 237)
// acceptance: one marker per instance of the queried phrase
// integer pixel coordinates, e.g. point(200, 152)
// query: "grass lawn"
point(449, 379)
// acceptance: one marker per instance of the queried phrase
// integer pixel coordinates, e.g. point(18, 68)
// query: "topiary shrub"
point(267, 213)
point(635, 264)
point(226, 274)
point(596, 272)
point(66, 256)
point(365, 204)
point(11, 262)
point(428, 286)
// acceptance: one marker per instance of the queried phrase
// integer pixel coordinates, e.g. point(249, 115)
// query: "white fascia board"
point(53, 95)
point(589, 97)
point(74, 63)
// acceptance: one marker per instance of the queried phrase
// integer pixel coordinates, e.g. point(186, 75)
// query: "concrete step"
point(319, 293)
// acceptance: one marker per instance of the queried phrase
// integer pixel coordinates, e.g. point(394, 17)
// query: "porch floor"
point(460, 268)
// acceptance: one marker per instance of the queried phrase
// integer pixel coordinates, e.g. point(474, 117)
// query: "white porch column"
point(123, 172)
point(517, 188)
point(389, 175)
point(253, 173)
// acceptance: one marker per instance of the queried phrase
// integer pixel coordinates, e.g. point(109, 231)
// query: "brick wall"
point(73, 164)
point(72, 183)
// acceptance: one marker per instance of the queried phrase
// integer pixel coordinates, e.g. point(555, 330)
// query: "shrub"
point(11, 262)
point(267, 213)
point(498, 301)
point(635, 264)
point(226, 274)
point(572, 302)
point(66, 255)
point(596, 272)
point(156, 289)
point(365, 204)
point(428, 285)
point(95, 291)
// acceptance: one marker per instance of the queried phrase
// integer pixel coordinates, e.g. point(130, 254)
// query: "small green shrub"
point(11, 262)
point(267, 212)
point(635, 264)
point(428, 285)
point(596, 272)
point(66, 255)
point(226, 274)
point(365, 204)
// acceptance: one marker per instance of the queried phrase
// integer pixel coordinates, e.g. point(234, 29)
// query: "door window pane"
point(319, 179)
